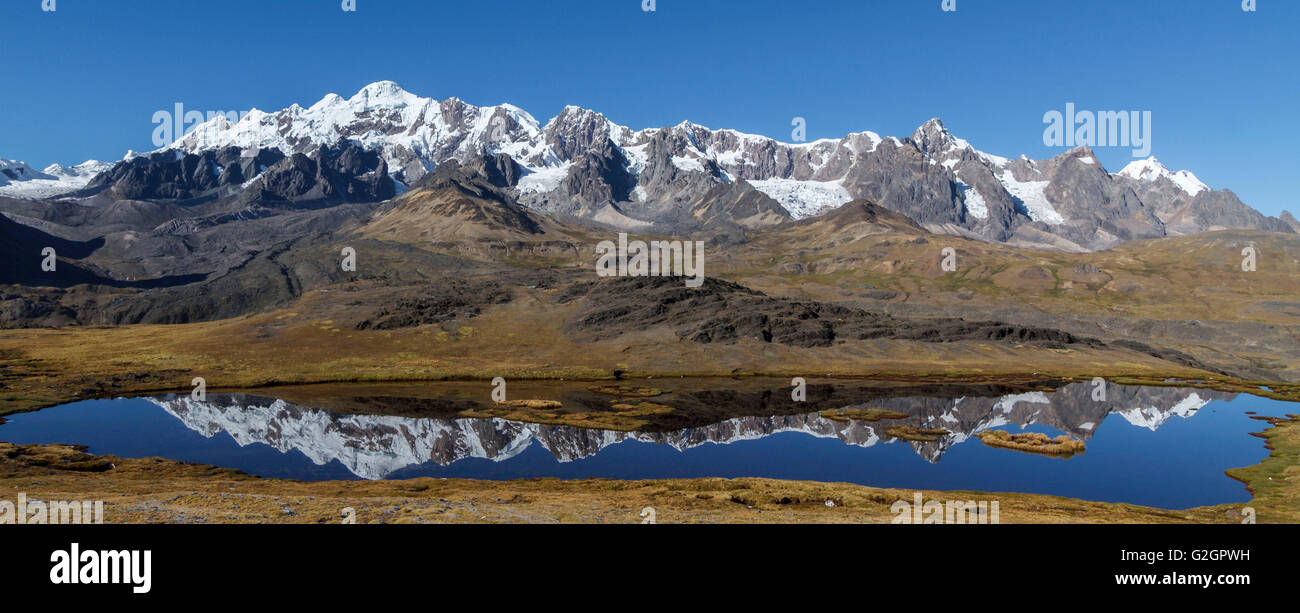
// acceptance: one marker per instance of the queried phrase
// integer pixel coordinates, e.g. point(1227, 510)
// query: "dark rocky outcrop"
point(726, 312)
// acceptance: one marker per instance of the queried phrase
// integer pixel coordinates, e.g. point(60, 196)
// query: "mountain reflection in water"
point(1158, 446)
point(376, 446)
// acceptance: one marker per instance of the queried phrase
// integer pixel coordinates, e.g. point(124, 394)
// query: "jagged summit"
point(933, 136)
point(1151, 169)
point(1290, 221)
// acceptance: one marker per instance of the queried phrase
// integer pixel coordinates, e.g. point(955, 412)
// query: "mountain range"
point(469, 220)
point(687, 178)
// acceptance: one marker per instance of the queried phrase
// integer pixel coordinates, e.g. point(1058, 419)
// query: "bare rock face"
point(599, 177)
point(167, 176)
point(1290, 221)
point(329, 175)
point(575, 131)
point(1187, 206)
point(1098, 211)
point(457, 299)
point(1221, 210)
point(900, 177)
point(346, 173)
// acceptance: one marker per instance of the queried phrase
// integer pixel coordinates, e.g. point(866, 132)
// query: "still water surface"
point(1164, 447)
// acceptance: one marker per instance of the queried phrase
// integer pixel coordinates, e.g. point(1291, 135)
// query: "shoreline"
point(1282, 391)
point(60, 472)
point(155, 490)
point(44, 368)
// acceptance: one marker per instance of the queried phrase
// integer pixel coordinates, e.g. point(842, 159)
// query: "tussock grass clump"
point(626, 391)
point(861, 414)
point(622, 416)
point(531, 404)
point(912, 433)
point(641, 408)
point(1033, 442)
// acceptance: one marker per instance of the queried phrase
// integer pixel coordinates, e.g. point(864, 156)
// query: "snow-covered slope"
point(18, 180)
point(804, 198)
point(15, 170)
point(1032, 195)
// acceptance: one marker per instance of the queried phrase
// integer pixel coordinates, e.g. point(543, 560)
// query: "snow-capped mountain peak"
point(412, 133)
point(936, 141)
point(385, 94)
point(88, 169)
point(933, 137)
point(19, 180)
point(1152, 418)
point(1151, 169)
point(16, 170)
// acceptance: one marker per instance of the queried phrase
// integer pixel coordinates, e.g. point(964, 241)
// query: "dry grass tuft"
point(861, 414)
point(531, 404)
point(626, 391)
point(641, 408)
point(1033, 442)
point(912, 433)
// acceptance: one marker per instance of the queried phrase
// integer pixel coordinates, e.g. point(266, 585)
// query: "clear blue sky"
point(1222, 85)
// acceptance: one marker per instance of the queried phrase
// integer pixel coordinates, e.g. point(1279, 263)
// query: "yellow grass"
point(1033, 442)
